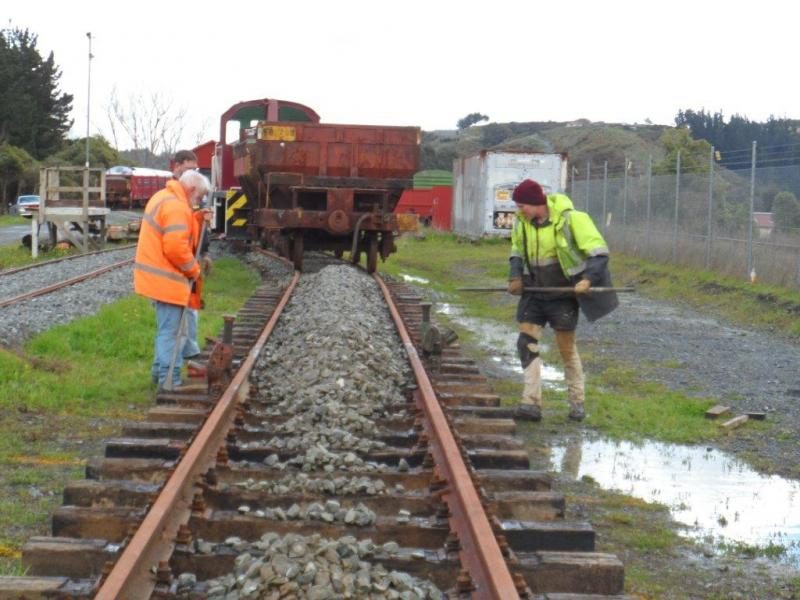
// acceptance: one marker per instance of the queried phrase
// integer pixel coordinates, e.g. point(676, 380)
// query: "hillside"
point(582, 140)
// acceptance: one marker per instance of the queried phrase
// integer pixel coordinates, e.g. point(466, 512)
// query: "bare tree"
point(200, 134)
point(152, 124)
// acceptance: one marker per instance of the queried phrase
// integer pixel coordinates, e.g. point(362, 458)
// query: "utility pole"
point(88, 95)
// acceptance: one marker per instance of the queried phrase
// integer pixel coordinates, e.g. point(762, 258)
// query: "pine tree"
point(34, 114)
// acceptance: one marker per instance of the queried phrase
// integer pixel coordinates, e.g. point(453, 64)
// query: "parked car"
point(23, 205)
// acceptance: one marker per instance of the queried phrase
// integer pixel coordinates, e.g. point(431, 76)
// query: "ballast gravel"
point(311, 568)
point(332, 376)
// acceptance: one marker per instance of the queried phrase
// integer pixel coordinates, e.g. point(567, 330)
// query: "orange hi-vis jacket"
point(165, 255)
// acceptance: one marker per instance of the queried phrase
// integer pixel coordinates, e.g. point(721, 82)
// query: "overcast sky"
point(426, 63)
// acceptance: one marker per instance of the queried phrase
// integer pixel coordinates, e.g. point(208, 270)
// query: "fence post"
point(588, 173)
point(624, 200)
point(649, 198)
point(751, 267)
point(709, 228)
point(797, 278)
point(572, 182)
point(677, 209)
point(605, 193)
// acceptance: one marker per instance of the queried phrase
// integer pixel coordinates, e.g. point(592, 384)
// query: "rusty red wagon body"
point(319, 186)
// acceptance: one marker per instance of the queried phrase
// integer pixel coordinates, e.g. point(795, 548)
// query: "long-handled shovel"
point(591, 290)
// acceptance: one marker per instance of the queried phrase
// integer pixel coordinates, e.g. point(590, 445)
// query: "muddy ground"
point(745, 369)
point(697, 354)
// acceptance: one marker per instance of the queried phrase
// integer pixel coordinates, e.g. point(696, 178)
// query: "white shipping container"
point(483, 183)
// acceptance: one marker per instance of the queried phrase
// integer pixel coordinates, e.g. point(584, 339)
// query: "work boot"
point(576, 412)
point(528, 412)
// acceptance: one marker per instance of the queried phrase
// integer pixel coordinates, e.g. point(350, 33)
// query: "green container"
point(425, 180)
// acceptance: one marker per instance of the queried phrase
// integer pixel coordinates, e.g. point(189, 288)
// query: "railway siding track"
point(411, 497)
point(43, 295)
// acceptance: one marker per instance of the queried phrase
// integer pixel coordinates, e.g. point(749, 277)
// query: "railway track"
point(39, 279)
point(298, 483)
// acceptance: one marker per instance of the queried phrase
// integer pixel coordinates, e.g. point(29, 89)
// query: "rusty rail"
point(61, 284)
point(131, 578)
point(45, 263)
point(479, 553)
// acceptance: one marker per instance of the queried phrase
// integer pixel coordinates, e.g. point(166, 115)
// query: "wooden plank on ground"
point(734, 422)
point(717, 411)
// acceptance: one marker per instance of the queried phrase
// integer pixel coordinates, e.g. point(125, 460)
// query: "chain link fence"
point(714, 218)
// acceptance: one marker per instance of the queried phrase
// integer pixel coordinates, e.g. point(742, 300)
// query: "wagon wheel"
point(296, 250)
point(372, 252)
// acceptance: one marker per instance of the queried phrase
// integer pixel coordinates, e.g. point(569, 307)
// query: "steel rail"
point(479, 553)
point(65, 283)
point(45, 263)
point(131, 578)
point(275, 256)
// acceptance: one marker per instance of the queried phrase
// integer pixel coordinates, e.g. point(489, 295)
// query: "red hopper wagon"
point(315, 186)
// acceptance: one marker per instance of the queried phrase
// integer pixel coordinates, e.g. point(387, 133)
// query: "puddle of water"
point(501, 342)
point(414, 279)
point(710, 491)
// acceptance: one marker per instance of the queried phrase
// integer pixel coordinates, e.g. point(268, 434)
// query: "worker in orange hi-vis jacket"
point(186, 160)
point(166, 268)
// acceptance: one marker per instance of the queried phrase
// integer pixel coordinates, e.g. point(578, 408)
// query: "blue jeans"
point(190, 346)
point(168, 322)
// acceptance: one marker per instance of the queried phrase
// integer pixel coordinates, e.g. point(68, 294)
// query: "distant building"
point(763, 221)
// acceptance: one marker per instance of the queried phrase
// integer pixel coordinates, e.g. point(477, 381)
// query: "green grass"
point(102, 361)
point(638, 532)
point(450, 262)
point(8, 220)
point(66, 388)
point(754, 305)
point(17, 255)
point(771, 550)
point(624, 405)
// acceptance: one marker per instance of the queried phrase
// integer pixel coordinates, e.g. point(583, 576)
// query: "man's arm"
point(591, 243)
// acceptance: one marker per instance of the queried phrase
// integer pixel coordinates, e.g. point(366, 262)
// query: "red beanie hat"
point(529, 192)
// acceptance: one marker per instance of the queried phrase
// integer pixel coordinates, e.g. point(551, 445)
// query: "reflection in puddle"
point(414, 279)
point(501, 342)
point(708, 490)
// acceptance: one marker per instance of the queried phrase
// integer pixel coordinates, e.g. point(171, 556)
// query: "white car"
point(24, 204)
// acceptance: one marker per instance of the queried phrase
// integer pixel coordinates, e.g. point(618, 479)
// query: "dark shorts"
point(560, 313)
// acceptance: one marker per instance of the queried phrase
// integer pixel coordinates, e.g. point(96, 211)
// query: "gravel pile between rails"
point(333, 377)
point(330, 512)
point(295, 483)
point(21, 321)
point(311, 568)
